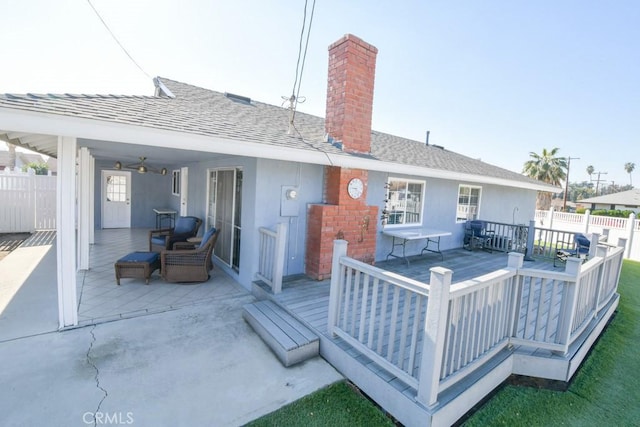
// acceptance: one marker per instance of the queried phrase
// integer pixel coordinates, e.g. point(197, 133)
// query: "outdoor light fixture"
point(140, 167)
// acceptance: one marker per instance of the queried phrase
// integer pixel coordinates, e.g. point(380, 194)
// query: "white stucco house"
point(233, 162)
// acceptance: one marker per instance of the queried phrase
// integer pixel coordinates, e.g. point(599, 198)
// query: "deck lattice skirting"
point(427, 353)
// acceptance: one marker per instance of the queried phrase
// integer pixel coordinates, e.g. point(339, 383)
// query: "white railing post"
point(602, 252)
point(278, 257)
point(593, 246)
point(530, 240)
point(587, 219)
point(435, 328)
point(551, 212)
point(569, 302)
point(339, 251)
point(629, 243)
point(515, 260)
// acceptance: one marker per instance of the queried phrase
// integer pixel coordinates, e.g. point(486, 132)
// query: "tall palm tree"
point(547, 168)
point(629, 167)
point(590, 170)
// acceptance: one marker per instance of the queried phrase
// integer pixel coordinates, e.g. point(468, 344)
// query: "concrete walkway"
point(197, 365)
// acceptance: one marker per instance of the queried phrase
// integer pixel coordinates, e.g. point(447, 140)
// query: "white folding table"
point(401, 237)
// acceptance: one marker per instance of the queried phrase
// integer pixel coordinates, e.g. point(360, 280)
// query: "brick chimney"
point(352, 68)
point(346, 216)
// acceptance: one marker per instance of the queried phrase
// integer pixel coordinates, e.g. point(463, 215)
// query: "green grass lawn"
point(604, 392)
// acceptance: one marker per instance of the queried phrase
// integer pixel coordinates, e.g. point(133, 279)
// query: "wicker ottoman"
point(137, 265)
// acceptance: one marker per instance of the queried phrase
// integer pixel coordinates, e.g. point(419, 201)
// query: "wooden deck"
point(308, 301)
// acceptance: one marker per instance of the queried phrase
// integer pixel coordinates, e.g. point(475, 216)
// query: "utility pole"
point(598, 181)
point(566, 186)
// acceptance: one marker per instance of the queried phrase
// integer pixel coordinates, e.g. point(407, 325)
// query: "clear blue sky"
point(490, 79)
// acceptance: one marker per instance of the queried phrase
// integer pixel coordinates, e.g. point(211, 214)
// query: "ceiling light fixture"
point(141, 167)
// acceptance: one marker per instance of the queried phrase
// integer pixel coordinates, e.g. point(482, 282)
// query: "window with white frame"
point(468, 203)
point(175, 182)
point(405, 199)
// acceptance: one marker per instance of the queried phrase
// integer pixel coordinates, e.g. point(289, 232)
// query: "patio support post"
point(66, 232)
point(84, 198)
point(434, 336)
point(569, 302)
point(339, 251)
point(92, 201)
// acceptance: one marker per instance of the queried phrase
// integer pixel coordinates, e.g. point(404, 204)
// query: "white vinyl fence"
point(613, 228)
point(27, 202)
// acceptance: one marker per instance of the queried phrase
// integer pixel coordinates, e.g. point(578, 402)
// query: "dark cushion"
point(185, 225)
point(159, 240)
point(582, 240)
point(207, 236)
point(149, 257)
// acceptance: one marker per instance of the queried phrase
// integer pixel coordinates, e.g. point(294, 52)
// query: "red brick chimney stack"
point(345, 215)
point(352, 68)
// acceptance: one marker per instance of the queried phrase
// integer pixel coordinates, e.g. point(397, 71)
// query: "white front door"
point(116, 199)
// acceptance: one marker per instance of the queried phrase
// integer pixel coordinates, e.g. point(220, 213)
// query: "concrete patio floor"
point(197, 364)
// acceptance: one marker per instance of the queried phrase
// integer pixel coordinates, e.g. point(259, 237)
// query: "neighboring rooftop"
point(186, 108)
point(626, 198)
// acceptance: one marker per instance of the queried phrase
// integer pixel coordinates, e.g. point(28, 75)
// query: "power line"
point(116, 39)
point(294, 99)
point(304, 56)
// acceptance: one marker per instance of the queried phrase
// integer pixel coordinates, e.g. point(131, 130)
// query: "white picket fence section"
point(27, 202)
point(613, 228)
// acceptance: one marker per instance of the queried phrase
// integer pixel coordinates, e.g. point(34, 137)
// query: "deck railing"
point(431, 336)
point(379, 312)
point(507, 237)
point(271, 253)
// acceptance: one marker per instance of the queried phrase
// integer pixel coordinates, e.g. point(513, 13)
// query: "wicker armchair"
point(188, 264)
point(164, 238)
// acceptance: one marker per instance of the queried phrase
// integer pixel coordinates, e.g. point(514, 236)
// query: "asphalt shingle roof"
point(205, 112)
point(627, 198)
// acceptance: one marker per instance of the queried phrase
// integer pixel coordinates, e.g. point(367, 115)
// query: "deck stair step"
point(291, 341)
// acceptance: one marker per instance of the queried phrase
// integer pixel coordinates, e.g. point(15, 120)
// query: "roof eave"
point(56, 124)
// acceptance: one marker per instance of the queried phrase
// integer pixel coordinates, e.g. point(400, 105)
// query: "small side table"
point(162, 214)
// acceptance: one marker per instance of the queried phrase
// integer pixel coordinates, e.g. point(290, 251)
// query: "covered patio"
point(101, 300)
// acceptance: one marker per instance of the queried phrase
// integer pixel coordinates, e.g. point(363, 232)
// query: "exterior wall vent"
point(238, 98)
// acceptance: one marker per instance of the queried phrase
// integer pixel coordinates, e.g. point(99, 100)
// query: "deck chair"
point(164, 238)
point(581, 247)
point(476, 236)
point(186, 263)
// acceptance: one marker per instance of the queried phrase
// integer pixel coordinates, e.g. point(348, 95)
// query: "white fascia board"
point(54, 124)
point(404, 169)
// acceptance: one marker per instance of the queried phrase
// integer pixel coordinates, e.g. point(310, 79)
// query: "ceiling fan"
point(141, 167)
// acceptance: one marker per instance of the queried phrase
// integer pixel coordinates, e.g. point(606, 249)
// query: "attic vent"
point(237, 98)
